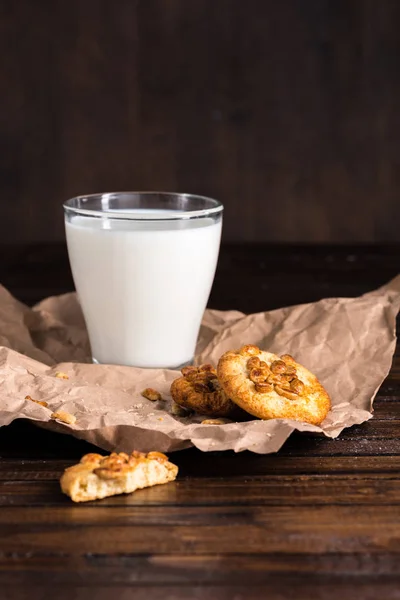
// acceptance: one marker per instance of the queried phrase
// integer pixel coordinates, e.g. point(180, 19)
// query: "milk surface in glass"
point(143, 285)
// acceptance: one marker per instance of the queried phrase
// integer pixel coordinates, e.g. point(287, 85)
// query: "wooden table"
point(319, 519)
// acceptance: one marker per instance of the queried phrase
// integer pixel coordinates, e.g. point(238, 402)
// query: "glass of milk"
point(143, 264)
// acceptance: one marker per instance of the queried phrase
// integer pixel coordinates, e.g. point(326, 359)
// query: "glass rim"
point(72, 206)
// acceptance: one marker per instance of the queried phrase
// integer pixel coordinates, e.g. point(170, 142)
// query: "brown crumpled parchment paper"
point(347, 342)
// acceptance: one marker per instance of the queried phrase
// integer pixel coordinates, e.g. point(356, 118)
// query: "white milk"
point(143, 286)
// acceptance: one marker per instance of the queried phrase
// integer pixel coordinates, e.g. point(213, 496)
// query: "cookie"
point(199, 389)
point(272, 387)
point(97, 476)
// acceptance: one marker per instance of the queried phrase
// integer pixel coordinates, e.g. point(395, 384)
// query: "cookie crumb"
point(151, 395)
point(61, 375)
point(179, 411)
point(41, 402)
point(63, 416)
point(215, 422)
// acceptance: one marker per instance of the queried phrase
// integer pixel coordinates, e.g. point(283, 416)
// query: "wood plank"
point(273, 116)
point(193, 463)
point(387, 429)
point(271, 490)
point(178, 569)
point(239, 530)
point(298, 445)
point(386, 408)
point(301, 445)
point(34, 272)
point(214, 464)
point(327, 588)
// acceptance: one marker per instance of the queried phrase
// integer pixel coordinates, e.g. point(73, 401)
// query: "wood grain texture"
point(276, 588)
point(319, 519)
point(286, 111)
point(200, 530)
point(276, 490)
point(276, 275)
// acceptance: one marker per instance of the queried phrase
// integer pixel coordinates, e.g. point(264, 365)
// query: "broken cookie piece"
point(65, 417)
point(215, 421)
point(97, 476)
point(41, 402)
point(61, 375)
point(152, 395)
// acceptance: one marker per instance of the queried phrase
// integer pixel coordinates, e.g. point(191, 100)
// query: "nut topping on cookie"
point(258, 375)
point(263, 387)
point(253, 362)
point(207, 368)
point(297, 386)
point(157, 456)
point(249, 350)
point(188, 370)
point(286, 393)
point(278, 367)
point(278, 375)
point(287, 357)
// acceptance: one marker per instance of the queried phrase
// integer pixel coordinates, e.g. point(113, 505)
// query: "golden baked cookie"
point(272, 387)
point(99, 476)
point(199, 389)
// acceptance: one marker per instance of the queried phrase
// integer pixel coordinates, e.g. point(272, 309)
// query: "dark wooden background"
point(288, 111)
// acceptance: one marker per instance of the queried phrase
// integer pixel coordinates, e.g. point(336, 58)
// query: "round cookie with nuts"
point(199, 389)
point(272, 387)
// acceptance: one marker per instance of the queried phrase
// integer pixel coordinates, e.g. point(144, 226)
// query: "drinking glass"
point(143, 265)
